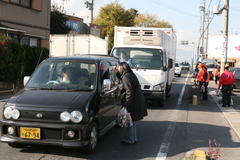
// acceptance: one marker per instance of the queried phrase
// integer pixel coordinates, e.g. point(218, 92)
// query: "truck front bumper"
point(154, 95)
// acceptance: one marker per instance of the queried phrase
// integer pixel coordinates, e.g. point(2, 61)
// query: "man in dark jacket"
point(133, 100)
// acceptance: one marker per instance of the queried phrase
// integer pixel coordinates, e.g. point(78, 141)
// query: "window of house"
point(24, 3)
point(30, 41)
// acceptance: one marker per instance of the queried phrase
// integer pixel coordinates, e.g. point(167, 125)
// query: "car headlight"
point(158, 87)
point(7, 112)
point(11, 113)
point(76, 116)
point(65, 116)
point(15, 114)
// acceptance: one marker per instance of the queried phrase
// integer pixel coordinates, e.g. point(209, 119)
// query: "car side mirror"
point(106, 84)
point(25, 80)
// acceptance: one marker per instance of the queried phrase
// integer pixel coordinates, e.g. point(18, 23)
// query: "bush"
point(17, 61)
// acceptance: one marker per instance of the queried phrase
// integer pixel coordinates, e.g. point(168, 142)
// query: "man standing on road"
point(226, 81)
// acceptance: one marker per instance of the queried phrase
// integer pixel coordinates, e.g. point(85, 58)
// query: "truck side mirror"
point(170, 63)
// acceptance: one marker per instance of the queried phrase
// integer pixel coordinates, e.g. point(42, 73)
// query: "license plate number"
point(30, 133)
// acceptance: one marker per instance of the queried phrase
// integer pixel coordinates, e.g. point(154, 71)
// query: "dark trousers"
point(226, 94)
point(205, 93)
point(216, 79)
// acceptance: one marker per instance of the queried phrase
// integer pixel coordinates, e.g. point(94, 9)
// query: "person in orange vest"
point(216, 74)
point(226, 82)
point(204, 78)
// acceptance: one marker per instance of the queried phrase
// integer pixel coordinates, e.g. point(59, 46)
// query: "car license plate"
point(30, 133)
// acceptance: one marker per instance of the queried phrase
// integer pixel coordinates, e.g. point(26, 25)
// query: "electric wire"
point(172, 8)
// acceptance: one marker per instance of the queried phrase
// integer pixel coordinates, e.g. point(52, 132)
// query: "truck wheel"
point(92, 137)
point(17, 145)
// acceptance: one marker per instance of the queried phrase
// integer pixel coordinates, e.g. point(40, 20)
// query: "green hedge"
point(17, 61)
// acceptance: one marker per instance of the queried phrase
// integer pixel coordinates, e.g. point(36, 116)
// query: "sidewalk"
point(230, 113)
point(208, 120)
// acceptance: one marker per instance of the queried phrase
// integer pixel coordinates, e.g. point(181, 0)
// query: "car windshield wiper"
point(72, 90)
point(47, 88)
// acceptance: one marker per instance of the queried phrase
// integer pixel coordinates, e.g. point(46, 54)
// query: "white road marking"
point(163, 150)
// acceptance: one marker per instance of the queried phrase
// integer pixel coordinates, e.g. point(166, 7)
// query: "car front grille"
point(46, 116)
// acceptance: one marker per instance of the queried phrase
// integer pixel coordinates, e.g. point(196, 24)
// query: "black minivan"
point(73, 114)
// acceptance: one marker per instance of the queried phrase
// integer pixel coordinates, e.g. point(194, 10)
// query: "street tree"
point(58, 21)
point(114, 14)
point(150, 20)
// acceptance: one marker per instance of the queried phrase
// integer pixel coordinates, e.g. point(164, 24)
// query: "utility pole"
point(208, 18)
point(90, 7)
point(224, 11)
point(202, 8)
point(224, 34)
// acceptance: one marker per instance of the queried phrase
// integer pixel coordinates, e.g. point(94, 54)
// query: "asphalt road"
point(170, 132)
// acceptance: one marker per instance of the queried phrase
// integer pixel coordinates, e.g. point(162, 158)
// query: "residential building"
point(26, 21)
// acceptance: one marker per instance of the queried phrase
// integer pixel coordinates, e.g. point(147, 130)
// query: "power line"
point(172, 8)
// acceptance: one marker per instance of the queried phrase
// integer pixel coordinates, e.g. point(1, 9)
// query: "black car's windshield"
point(64, 75)
point(141, 57)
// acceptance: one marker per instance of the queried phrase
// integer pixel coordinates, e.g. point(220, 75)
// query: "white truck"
point(70, 45)
point(152, 52)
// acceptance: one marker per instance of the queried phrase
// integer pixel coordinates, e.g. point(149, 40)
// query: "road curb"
point(195, 155)
point(231, 115)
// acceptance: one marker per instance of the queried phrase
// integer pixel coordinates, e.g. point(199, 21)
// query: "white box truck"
point(152, 52)
point(70, 45)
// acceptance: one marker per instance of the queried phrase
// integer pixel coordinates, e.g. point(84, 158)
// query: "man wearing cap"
point(226, 81)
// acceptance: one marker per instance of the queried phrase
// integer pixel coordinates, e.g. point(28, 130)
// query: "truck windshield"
point(64, 75)
point(140, 57)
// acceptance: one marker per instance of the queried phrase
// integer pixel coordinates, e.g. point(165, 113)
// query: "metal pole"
point(92, 12)
point(224, 35)
point(203, 21)
point(207, 34)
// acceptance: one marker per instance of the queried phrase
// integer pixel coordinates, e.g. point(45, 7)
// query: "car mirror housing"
point(106, 84)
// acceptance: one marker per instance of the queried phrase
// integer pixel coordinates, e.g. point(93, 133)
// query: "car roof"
point(83, 57)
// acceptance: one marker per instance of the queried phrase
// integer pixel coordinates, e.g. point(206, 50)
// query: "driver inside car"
point(67, 73)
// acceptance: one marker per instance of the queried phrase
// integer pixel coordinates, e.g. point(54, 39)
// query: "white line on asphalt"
point(163, 150)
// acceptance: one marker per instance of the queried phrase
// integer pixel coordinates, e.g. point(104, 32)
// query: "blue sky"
point(184, 15)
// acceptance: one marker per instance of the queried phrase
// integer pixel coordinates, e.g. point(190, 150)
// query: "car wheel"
point(92, 138)
point(179, 75)
point(17, 145)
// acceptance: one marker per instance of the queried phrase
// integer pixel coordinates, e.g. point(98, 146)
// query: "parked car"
point(185, 66)
point(211, 64)
point(236, 72)
point(49, 111)
point(178, 69)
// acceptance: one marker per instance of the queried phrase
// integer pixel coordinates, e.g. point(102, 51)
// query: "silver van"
point(211, 63)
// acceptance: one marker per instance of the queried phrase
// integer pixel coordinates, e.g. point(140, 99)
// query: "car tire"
point(17, 145)
point(179, 75)
point(92, 138)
